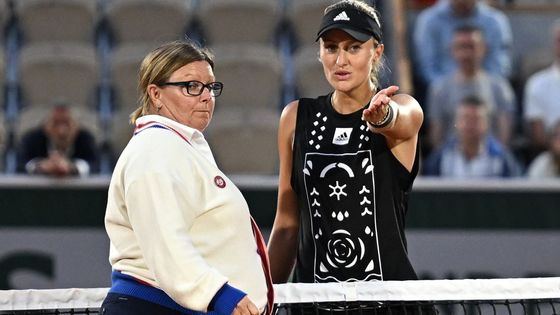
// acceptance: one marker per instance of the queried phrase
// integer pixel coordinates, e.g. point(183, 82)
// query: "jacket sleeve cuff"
point(226, 299)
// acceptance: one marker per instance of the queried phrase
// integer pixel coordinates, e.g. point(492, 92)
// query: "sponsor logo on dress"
point(342, 136)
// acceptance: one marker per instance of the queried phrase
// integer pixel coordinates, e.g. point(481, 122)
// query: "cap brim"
point(360, 36)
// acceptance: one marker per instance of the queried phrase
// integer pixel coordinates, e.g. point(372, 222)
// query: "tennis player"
point(348, 160)
point(182, 239)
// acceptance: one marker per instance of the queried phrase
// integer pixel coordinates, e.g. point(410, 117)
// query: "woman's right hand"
point(245, 307)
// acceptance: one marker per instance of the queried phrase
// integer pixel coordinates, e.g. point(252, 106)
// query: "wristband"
point(388, 120)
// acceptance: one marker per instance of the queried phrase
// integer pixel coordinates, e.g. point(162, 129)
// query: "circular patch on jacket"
point(219, 181)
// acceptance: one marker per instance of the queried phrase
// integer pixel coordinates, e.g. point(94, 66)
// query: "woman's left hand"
point(245, 307)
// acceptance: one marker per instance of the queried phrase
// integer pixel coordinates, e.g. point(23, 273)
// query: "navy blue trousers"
point(120, 304)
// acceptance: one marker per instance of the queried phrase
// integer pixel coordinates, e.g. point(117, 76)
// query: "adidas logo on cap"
point(342, 16)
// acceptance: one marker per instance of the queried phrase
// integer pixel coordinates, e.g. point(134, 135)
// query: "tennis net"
point(481, 296)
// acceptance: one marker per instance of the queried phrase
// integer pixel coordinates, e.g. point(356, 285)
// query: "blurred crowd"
point(477, 125)
point(480, 120)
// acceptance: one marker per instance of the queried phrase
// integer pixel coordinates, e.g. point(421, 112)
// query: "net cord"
point(417, 290)
point(421, 290)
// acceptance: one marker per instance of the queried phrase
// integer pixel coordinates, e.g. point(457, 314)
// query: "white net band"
point(419, 290)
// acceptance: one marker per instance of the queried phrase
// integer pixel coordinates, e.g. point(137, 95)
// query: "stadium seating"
point(4, 15)
point(57, 71)
point(308, 72)
point(305, 17)
point(245, 142)
point(125, 63)
point(148, 21)
point(57, 20)
point(120, 132)
point(252, 76)
point(226, 21)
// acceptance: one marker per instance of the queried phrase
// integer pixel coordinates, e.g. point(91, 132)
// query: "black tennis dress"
point(352, 196)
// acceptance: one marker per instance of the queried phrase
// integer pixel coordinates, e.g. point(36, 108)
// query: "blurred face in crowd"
point(61, 128)
point(468, 49)
point(472, 123)
point(462, 7)
point(347, 62)
point(177, 104)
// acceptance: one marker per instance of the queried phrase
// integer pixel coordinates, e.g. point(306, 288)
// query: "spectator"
point(59, 147)
point(473, 152)
point(547, 164)
point(470, 78)
point(542, 99)
point(433, 34)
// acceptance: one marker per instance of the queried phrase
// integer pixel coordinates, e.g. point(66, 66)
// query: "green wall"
point(431, 206)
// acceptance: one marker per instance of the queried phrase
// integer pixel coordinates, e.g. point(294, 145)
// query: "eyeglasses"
point(195, 88)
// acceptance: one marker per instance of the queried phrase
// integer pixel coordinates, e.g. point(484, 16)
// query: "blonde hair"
point(374, 14)
point(158, 66)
